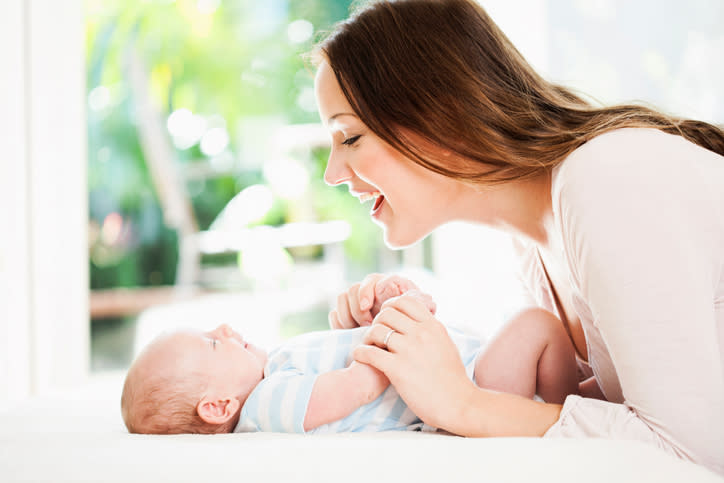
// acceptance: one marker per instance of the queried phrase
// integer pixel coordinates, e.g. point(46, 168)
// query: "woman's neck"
point(521, 208)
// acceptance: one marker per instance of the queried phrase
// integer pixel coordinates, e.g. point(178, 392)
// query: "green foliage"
point(230, 64)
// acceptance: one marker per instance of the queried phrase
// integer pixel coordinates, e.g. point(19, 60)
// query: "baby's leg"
point(532, 354)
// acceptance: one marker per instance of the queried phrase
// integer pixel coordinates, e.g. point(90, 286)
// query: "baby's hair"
point(166, 404)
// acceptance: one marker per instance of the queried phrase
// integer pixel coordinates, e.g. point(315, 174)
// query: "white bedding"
point(80, 437)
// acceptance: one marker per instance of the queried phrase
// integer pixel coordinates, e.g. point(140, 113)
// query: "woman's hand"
point(420, 359)
point(359, 305)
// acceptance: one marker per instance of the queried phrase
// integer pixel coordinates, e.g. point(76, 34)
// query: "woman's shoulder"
point(636, 174)
point(614, 150)
point(630, 152)
point(631, 158)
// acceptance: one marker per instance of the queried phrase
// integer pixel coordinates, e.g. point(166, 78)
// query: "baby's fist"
point(393, 286)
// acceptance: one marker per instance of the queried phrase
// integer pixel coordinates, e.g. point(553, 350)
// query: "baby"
point(217, 382)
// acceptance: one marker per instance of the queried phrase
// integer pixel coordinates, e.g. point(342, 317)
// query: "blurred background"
point(205, 158)
point(205, 163)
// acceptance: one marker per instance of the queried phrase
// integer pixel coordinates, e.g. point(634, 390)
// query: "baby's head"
point(191, 382)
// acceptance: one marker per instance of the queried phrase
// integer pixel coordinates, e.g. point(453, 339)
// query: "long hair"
point(441, 71)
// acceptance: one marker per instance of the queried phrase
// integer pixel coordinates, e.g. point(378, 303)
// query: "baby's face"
point(228, 363)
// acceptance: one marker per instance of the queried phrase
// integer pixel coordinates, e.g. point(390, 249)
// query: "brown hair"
point(166, 404)
point(442, 71)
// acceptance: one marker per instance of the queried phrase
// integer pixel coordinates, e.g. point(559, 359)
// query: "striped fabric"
point(279, 402)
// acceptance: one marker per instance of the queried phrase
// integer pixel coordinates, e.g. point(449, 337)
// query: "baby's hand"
point(361, 303)
point(394, 286)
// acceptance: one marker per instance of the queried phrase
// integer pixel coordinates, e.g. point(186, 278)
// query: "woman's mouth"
point(378, 205)
point(372, 195)
point(379, 201)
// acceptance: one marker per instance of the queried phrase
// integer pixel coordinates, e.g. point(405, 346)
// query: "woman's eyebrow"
point(340, 114)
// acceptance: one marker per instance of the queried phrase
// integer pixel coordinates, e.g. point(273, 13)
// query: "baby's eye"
point(213, 343)
point(351, 140)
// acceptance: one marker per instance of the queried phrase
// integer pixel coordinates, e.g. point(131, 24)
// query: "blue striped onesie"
point(279, 402)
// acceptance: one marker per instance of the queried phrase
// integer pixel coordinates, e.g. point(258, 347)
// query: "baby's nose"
point(224, 330)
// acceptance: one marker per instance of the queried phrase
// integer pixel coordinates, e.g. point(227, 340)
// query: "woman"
point(620, 212)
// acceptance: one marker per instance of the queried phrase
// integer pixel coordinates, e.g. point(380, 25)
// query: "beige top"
point(640, 215)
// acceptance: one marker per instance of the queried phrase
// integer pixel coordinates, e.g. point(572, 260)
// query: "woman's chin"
point(398, 241)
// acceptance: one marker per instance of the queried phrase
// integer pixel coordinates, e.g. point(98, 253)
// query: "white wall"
point(14, 280)
point(44, 327)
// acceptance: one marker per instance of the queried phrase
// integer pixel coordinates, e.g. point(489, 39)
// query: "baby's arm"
point(337, 394)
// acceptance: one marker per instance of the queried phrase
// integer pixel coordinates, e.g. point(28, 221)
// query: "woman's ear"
point(217, 411)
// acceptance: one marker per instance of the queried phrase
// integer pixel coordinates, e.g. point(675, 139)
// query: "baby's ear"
point(217, 411)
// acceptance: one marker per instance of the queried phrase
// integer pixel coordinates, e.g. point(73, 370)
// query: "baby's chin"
point(259, 353)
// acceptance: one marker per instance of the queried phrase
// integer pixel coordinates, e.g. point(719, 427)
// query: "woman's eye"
point(350, 141)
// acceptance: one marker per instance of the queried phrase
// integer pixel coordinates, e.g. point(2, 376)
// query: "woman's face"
point(408, 201)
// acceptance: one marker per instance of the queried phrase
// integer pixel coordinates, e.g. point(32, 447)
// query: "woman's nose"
point(337, 171)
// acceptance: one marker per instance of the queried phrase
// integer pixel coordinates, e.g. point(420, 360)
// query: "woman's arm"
point(640, 214)
point(504, 415)
point(424, 365)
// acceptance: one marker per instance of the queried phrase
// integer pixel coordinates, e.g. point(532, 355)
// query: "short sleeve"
point(642, 241)
point(278, 403)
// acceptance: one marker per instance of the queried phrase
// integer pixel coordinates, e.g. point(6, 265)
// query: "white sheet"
point(79, 437)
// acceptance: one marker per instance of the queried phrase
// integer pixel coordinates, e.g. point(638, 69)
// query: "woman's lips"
point(378, 205)
point(377, 196)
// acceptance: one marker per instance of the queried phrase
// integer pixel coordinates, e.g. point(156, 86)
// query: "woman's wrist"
point(486, 413)
point(463, 418)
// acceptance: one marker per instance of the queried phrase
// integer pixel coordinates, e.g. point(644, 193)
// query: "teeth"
point(369, 196)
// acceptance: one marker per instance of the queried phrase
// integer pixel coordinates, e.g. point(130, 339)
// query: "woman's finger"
point(360, 316)
point(375, 335)
point(410, 305)
point(346, 321)
point(393, 318)
point(425, 298)
point(384, 337)
point(366, 291)
point(378, 358)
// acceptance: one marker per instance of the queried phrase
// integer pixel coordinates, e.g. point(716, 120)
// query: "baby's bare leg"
point(531, 355)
